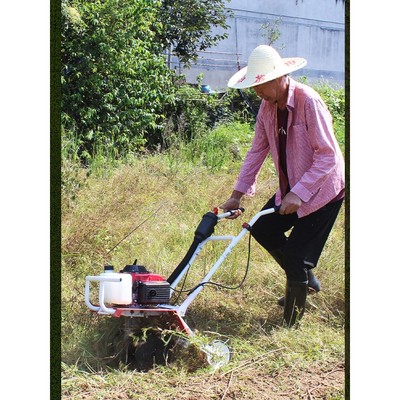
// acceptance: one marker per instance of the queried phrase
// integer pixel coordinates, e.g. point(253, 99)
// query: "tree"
point(270, 31)
point(187, 26)
point(115, 82)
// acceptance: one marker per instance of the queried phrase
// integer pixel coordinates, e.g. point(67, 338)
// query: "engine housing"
point(147, 287)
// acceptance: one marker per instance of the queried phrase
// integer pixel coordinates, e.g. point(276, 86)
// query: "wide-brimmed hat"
point(265, 64)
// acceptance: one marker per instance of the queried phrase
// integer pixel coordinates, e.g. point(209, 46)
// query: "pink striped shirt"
point(315, 164)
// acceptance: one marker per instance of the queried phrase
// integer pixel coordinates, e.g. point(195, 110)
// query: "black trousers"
point(300, 250)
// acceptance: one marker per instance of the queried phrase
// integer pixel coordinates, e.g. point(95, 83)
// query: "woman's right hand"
point(231, 204)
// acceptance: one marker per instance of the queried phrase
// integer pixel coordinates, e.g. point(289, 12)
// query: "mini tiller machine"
point(135, 293)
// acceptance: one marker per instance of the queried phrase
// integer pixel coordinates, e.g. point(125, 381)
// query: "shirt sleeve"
point(255, 157)
point(321, 136)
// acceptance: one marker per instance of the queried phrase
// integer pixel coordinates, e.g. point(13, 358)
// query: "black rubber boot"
point(314, 286)
point(295, 302)
point(313, 282)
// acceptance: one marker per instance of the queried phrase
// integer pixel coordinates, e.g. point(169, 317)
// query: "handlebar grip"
point(233, 211)
point(229, 213)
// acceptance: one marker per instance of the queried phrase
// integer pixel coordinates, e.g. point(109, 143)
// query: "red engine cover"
point(146, 277)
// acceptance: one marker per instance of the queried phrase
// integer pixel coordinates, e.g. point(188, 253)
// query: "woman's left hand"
point(290, 204)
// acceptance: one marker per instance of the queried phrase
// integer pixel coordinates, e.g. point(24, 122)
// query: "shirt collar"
point(290, 98)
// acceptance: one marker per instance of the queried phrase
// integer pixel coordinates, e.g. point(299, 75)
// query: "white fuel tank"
point(117, 292)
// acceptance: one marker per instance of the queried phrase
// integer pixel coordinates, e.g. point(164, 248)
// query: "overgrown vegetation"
point(209, 130)
point(171, 197)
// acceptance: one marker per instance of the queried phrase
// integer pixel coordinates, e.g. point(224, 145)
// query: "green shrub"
point(115, 82)
point(216, 149)
point(334, 98)
point(193, 113)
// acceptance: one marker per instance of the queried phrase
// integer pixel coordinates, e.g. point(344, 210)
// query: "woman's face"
point(272, 91)
point(267, 91)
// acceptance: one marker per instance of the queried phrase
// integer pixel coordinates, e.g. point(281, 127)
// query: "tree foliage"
point(114, 79)
point(187, 26)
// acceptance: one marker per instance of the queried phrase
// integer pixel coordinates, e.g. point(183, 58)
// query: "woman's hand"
point(290, 204)
point(233, 203)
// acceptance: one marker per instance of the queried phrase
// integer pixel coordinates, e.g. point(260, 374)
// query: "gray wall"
point(313, 29)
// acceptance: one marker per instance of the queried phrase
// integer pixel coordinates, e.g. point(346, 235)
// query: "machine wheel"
point(218, 354)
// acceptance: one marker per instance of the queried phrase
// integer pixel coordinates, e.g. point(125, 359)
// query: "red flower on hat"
point(290, 62)
point(259, 78)
point(241, 79)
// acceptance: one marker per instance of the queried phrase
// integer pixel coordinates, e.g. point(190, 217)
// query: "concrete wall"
point(313, 29)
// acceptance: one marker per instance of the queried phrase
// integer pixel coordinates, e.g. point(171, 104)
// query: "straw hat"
point(265, 64)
